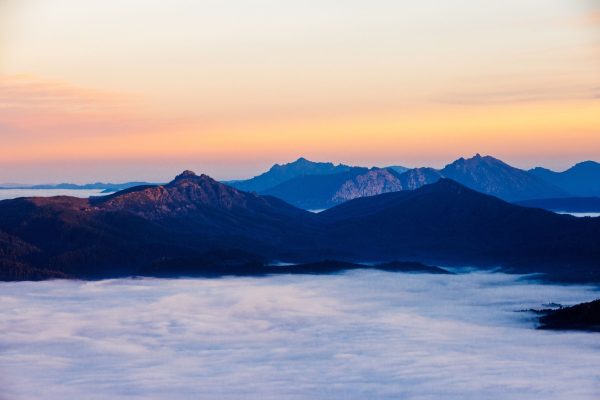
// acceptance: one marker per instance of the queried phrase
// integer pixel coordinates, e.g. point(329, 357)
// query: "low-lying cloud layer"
point(361, 335)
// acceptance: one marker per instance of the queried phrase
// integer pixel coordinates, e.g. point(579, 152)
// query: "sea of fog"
point(581, 214)
point(358, 335)
point(6, 194)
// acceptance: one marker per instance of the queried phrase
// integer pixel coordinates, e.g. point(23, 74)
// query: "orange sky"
point(103, 91)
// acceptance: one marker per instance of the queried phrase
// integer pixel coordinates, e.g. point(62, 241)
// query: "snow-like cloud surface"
point(361, 335)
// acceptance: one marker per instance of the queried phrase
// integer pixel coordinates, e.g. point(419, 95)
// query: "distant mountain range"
point(321, 185)
point(492, 176)
point(314, 191)
point(202, 227)
point(304, 186)
point(397, 168)
point(105, 187)
point(281, 173)
point(582, 180)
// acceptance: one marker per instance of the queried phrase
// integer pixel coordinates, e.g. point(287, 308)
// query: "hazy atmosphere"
point(97, 90)
point(277, 199)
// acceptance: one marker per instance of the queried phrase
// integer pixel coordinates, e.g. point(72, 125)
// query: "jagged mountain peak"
point(302, 162)
point(190, 176)
point(370, 183)
point(493, 176)
point(185, 174)
point(186, 193)
point(477, 160)
point(280, 173)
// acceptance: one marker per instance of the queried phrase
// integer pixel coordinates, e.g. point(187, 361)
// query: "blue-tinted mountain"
point(492, 176)
point(281, 173)
point(378, 181)
point(485, 174)
point(315, 192)
point(325, 191)
point(370, 183)
point(419, 177)
point(398, 168)
point(581, 180)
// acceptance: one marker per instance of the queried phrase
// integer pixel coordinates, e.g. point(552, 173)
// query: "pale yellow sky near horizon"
point(112, 90)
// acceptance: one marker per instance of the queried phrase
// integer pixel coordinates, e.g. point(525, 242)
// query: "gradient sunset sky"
point(141, 89)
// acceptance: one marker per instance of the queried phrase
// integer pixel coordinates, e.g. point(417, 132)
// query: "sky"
point(359, 335)
point(113, 90)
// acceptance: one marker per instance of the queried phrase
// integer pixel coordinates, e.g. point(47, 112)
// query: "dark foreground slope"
point(194, 221)
point(448, 223)
point(191, 217)
point(585, 316)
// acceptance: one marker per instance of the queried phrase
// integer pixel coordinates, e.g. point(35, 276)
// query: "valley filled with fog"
point(358, 335)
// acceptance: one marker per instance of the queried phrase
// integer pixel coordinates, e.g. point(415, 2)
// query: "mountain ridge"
point(280, 173)
point(490, 175)
point(194, 220)
point(581, 180)
point(483, 173)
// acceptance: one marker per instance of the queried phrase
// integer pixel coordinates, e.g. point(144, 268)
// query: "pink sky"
point(104, 90)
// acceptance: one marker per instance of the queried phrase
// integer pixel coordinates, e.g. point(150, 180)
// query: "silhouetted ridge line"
point(196, 221)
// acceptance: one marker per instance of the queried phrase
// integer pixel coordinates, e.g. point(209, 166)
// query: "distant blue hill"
point(281, 173)
point(581, 180)
point(311, 185)
point(492, 176)
point(398, 168)
point(312, 192)
point(105, 187)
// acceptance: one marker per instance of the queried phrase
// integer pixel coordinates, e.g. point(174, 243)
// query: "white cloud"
point(353, 336)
